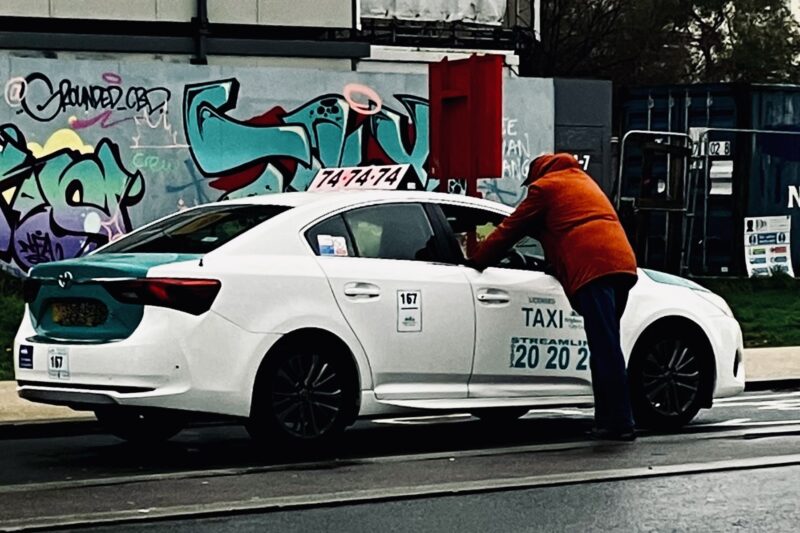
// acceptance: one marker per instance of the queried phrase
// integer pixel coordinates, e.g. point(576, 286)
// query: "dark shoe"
point(628, 435)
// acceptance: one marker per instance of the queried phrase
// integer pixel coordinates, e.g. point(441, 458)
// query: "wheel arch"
point(688, 326)
point(318, 336)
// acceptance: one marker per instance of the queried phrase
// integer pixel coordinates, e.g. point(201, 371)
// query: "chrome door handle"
point(362, 290)
point(493, 297)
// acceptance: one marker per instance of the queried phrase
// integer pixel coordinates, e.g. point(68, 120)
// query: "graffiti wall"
point(90, 150)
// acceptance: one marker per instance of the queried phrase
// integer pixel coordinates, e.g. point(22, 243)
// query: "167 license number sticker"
point(58, 362)
point(549, 354)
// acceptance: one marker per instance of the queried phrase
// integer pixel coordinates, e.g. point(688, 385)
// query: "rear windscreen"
point(197, 231)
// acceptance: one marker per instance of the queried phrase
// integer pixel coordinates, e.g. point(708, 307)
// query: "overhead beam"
point(181, 45)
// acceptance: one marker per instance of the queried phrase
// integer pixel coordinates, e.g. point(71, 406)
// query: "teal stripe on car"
point(122, 320)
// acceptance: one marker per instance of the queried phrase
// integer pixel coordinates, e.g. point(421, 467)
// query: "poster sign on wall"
point(767, 245)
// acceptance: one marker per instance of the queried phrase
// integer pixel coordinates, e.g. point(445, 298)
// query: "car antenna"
point(201, 260)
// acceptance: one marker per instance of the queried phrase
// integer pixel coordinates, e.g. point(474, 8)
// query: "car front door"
point(528, 341)
point(413, 314)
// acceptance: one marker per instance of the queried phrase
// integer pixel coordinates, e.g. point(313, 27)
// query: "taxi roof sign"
point(374, 177)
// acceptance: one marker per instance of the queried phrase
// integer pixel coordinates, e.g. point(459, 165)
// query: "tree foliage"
point(668, 41)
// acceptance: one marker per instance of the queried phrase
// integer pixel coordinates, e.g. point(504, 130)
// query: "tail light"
point(193, 296)
point(30, 288)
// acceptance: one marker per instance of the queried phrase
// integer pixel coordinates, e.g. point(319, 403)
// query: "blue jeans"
point(602, 303)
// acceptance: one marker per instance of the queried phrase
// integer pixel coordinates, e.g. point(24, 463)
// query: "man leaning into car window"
point(592, 258)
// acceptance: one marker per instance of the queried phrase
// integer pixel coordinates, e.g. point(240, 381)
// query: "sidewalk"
point(761, 364)
point(15, 409)
point(772, 364)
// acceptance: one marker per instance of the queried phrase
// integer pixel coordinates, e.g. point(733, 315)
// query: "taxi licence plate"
point(58, 362)
point(86, 313)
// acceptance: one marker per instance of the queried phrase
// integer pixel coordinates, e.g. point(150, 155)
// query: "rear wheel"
point(669, 378)
point(304, 397)
point(140, 426)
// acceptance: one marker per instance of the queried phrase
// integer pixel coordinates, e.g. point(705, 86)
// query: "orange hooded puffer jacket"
point(572, 218)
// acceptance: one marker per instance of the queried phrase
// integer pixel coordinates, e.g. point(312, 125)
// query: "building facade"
point(116, 113)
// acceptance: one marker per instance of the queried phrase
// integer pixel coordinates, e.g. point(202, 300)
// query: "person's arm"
point(515, 226)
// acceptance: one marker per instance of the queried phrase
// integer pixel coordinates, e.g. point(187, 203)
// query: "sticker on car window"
point(332, 245)
point(409, 311)
point(339, 246)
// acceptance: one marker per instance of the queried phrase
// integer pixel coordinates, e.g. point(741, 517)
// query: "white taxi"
point(301, 312)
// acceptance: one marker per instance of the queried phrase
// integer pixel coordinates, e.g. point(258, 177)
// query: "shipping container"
point(695, 161)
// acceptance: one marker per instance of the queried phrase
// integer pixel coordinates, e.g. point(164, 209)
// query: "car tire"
point(304, 398)
point(500, 415)
point(670, 379)
point(140, 426)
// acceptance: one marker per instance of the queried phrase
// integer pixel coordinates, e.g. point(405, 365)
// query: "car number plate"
point(58, 362)
point(86, 313)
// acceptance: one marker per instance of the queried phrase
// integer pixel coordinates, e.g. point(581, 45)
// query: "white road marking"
point(731, 422)
point(749, 422)
point(748, 397)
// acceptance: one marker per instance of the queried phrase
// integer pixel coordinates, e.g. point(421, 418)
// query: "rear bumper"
point(173, 361)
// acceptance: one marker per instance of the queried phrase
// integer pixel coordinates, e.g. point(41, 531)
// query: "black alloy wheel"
point(669, 380)
point(303, 397)
point(307, 396)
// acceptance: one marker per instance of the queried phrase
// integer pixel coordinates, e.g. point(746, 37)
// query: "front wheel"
point(670, 378)
point(140, 426)
point(304, 397)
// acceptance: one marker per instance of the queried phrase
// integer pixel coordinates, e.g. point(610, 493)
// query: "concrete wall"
point(313, 13)
point(91, 149)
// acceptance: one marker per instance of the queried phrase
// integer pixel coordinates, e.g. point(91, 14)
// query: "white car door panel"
point(528, 340)
point(413, 316)
point(417, 351)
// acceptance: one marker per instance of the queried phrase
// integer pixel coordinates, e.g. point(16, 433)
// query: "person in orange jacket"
point(590, 255)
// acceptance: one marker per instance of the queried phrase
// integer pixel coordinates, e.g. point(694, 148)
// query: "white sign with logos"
point(767, 245)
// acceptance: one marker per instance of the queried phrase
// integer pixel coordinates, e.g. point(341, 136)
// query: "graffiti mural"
point(281, 150)
point(62, 199)
point(108, 103)
point(92, 149)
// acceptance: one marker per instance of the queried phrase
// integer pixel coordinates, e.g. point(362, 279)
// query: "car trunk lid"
point(75, 300)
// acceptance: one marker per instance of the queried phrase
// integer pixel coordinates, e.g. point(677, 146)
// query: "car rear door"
point(412, 313)
point(528, 340)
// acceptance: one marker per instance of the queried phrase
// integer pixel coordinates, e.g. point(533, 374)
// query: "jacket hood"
point(550, 163)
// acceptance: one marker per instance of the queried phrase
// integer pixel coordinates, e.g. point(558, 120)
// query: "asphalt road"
point(721, 501)
point(430, 473)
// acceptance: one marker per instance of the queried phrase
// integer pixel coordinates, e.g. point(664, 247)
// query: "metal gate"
point(682, 197)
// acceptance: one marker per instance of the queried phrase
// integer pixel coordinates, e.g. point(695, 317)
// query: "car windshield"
point(197, 231)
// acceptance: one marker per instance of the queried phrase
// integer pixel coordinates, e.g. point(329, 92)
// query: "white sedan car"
point(301, 312)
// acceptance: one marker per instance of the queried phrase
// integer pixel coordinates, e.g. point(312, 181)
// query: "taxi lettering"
point(545, 318)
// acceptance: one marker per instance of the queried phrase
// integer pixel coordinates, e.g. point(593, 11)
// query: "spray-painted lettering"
point(62, 199)
point(282, 150)
point(41, 99)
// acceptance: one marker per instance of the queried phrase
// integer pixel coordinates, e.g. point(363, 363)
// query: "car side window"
point(330, 237)
point(392, 231)
point(471, 225)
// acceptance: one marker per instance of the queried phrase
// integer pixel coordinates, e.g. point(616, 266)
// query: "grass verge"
point(767, 308)
point(11, 309)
